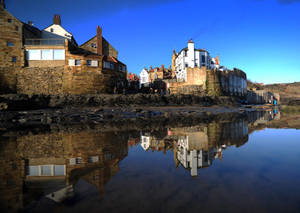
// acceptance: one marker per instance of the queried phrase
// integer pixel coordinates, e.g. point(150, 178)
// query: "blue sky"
point(261, 37)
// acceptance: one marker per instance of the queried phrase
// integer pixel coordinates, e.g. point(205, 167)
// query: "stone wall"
point(36, 80)
point(262, 97)
point(45, 63)
point(8, 80)
point(11, 51)
point(58, 80)
point(210, 82)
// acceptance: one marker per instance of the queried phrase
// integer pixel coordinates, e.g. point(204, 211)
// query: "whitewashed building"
point(144, 78)
point(56, 31)
point(190, 57)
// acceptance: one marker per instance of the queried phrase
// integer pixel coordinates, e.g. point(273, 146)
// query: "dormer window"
point(51, 30)
point(94, 45)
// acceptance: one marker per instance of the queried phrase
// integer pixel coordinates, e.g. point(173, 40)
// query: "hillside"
point(288, 91)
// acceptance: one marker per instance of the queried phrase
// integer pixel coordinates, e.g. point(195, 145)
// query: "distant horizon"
point(248, 34)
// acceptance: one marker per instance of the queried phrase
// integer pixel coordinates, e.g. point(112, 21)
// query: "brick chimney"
point(56, 19)
point(217, 60)
point(99, 41)
point(2, 4)
point(162, 67)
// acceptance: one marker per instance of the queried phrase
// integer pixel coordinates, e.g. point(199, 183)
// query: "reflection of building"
point(192, 158)
point(197, 147)
point(49, 164)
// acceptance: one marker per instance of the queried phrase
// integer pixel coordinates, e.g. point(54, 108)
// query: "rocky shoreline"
point(114, 111)
point(120, 118)
point(13, 102)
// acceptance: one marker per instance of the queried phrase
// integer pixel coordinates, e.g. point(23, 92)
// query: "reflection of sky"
point(262, 175)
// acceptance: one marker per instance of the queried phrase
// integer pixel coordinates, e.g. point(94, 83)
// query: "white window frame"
point(50, 55)
point(31, 56)
point(61, 53)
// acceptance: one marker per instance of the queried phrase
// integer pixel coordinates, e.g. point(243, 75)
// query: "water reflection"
point(49, 165)
point(198, 146)
point(42, 167)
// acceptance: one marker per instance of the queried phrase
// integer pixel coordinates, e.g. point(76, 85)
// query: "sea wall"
point(211, 82)
point(58, 80)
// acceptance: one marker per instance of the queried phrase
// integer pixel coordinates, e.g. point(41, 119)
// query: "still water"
point(250, 164)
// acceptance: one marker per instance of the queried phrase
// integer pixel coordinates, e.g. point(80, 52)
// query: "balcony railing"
point(45, 42)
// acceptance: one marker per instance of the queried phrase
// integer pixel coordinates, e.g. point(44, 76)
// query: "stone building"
point(49, 61)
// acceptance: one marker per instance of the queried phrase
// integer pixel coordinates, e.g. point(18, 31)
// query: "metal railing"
point(45, 42)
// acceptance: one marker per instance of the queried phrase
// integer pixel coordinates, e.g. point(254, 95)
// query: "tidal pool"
point(250, 164)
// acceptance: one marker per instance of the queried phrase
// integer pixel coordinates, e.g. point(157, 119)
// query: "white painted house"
point(190, 57)
point(144, 78)
point(56, 31)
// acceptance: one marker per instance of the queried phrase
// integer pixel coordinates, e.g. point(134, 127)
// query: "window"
point(106, 64)
point(112, 66)
point(33, 54)
point(94, 45)
point(186, 65)
point(203, 58)
point(47, 55)
point(71, 62)
point(185, 53)
point(14, 59)
point(92, 63)
point(93, 159)
point(9, 20)
point(46, 170)
point(77, 62)
point(196, 65)
point(51, 30)
point(17, 28)
point(59, 54)
point(10, 44)
point(59, 170)
point(33, 171)
point(78, 160)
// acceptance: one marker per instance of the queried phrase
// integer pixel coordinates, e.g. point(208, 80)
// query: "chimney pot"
point(30, 23)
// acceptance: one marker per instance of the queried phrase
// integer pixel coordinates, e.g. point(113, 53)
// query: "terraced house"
point(49, 61)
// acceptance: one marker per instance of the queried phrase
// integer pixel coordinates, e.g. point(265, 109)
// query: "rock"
point(3, 106)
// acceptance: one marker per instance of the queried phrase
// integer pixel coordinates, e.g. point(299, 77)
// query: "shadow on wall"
point(7, 80)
